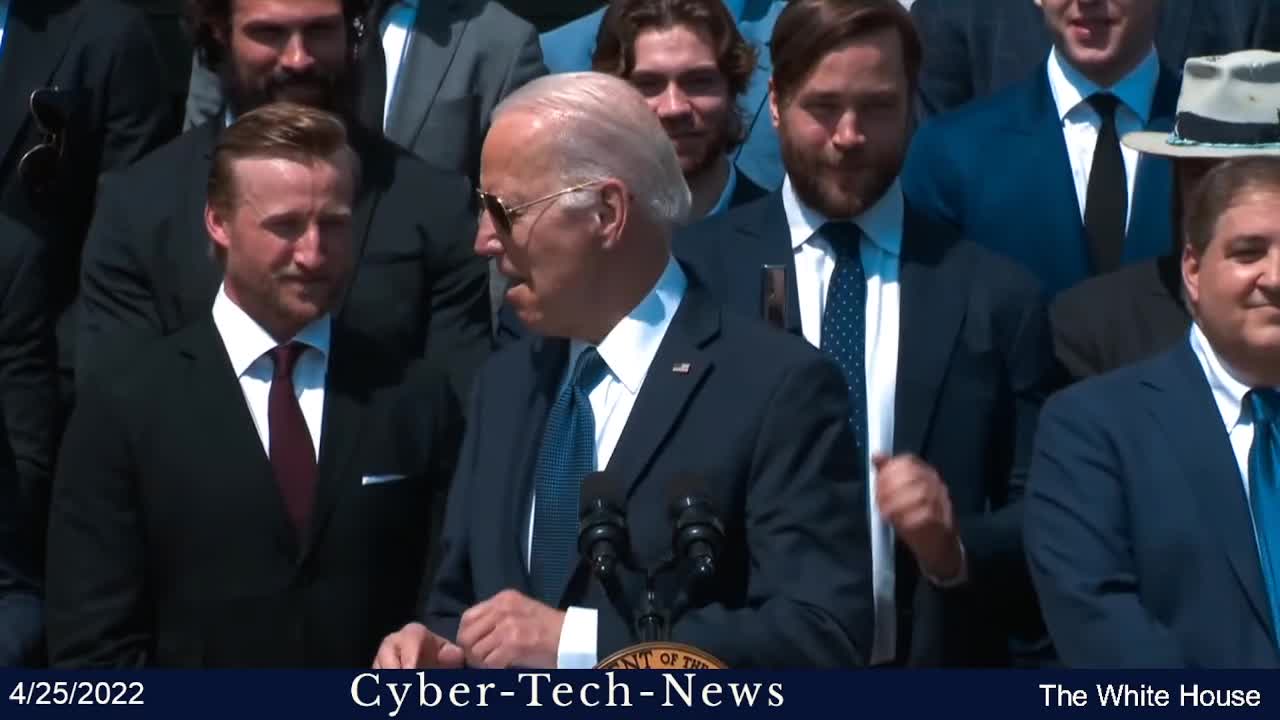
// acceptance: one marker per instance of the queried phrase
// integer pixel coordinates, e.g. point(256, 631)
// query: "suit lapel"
point(667, 391)
point(217, 394)
point(1150, 229)
point(431, 48)
point(933, 300)
point(547, 358)
point(346, 395)
point(1182, 403)
point(765, 239)
point(35, 41)
point(377, 175)
point(1051, 166)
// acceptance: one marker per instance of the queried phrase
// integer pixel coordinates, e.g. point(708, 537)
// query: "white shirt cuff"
point(577, 649)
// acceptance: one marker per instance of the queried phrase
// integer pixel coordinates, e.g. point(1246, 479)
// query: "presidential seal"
point(661, 656)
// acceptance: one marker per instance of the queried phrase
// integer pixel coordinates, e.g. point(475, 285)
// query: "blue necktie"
point(567, 455)
point(1264, 493)
point(844, 320)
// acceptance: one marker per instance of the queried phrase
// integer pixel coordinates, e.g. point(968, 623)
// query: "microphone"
point(698, 534)
point(602, 528)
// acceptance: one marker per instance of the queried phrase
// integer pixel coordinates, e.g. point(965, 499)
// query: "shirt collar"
point(1136, 90)
point(881, 223)
point(631, 345)
point(246, 341)
point(1228, 391)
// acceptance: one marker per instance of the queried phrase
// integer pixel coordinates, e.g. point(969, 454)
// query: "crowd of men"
point(941, 333)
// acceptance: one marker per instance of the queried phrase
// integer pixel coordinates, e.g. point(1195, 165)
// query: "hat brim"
point(1157, 143)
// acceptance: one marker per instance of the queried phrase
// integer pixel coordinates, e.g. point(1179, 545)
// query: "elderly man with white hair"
point(635, 394)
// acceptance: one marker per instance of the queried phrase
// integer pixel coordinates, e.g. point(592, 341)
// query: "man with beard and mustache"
point(418, 289)
point(249, 491)
point(945, 346)
point(1037, 172)
point(692, 65)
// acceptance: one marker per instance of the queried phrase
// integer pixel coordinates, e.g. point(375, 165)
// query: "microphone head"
point(600, 489)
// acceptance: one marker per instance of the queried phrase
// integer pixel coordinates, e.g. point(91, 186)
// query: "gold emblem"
point(661, 656)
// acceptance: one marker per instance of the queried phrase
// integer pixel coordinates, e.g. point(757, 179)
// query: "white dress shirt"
point(627, 351)
point(247, 346)
point(1080, 122)
point(397, 29)
point(1229, 394)
point(815, 262)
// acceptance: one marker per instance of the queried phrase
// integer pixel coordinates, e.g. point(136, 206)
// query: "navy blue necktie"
point(844, 320)
point(1264, 494)
point(567, 455)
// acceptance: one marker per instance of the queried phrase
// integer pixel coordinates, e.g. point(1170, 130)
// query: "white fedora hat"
point(1229, 106)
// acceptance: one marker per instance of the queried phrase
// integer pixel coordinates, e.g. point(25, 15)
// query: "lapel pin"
point(680, 368)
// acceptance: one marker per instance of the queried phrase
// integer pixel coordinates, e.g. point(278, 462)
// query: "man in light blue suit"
point(568, 48)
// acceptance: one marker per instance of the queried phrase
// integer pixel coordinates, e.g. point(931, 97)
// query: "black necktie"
point(373, 71)
point(1107, 201)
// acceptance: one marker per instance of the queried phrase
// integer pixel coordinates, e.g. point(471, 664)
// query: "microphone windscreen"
point(600, 486)
point(686, 485)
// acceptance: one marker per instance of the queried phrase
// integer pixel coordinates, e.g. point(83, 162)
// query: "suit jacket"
point(569, 48)
point(419, 289)
point(101, 55)
point(20, 609)
point(761, 417)
point(169, 543)
point(1138, 531)
point(1028, 210)
point(462, 58)
point(974, 362)
point(973, 48)
point(28, 375)
point(1120, 318)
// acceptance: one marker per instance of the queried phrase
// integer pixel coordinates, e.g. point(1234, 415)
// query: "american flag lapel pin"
point(681, 368)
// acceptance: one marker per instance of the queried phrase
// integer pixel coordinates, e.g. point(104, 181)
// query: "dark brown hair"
point(1218, 191)
point(807, 30)
point(277, 130)
point(209, 25)
point(626, 19)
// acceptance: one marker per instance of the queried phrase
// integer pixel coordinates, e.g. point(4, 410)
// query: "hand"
point(414, 646)
point(913, 499)
point(511, 630)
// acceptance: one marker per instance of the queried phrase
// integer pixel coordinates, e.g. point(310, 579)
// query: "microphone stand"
point(653, 624)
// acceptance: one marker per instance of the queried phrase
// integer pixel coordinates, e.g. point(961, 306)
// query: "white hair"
point(604, 129)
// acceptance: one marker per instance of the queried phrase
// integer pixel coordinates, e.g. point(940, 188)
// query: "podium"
point(661, 656)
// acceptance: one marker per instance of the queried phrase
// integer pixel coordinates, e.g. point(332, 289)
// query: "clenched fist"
point(511, 630)
point(912, 498)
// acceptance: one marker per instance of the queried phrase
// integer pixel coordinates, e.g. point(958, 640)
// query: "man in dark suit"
point(250, 490)
point(634, 371)
point(1036, 172)
point(1153, 511)
point(430, 76)
point(84, 93)
point(945, 345)
point(974, 48)
point(1113, 320)
point(28, 376)
point(691, 63)
point(419, 289)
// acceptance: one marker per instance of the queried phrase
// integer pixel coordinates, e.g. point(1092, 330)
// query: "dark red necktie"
point(293, 457)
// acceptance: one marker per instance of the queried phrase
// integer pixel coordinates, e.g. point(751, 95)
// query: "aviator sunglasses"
point(504, 216)
point(38, 167)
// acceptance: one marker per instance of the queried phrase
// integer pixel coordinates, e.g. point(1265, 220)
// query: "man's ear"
point(774, 112)
point(215, 223)
point(612, 211)
point(1191, 261)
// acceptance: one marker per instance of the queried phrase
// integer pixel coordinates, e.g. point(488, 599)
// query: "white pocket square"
point(380, 479)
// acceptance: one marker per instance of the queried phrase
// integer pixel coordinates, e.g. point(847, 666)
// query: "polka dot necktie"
point(844, 320)
point(567, 455)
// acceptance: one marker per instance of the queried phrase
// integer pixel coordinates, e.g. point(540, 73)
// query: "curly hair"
point(209, 25)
